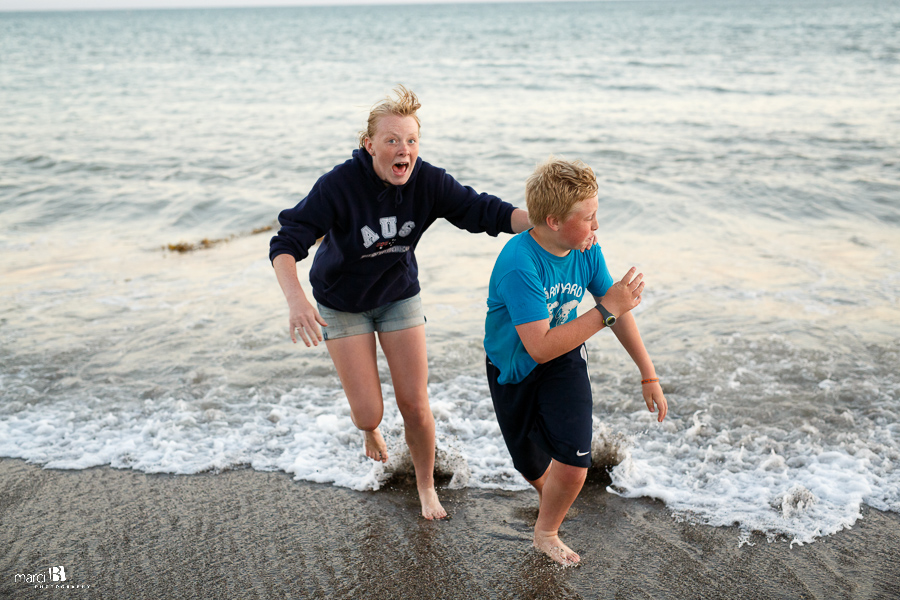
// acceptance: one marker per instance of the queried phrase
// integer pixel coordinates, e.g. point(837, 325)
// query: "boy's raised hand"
point(624, 294)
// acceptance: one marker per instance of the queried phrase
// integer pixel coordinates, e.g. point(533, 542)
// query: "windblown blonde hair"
point(556, 186)
point(405, 105)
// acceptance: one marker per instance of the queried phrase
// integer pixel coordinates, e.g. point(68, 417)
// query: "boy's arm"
point(544, 344)
point(626, 331)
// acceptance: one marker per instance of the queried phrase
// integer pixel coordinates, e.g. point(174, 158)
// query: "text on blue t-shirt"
point(530, 284)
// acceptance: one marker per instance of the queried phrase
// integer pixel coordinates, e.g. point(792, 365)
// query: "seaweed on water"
point(188, 247)
point(206, 243)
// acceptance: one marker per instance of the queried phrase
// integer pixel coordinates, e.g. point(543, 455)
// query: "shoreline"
point(250, 534)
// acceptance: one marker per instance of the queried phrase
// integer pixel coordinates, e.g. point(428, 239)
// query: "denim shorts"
point(393, 316)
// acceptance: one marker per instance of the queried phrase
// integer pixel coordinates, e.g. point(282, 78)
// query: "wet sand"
point(246, 534)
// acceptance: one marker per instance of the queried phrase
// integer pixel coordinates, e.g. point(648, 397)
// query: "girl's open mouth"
point(400, 168)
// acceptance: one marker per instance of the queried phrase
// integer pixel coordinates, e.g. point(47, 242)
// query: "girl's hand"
point(589, 242)
point(305, 320)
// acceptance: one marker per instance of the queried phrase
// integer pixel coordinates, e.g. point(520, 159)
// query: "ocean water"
point(748, 162)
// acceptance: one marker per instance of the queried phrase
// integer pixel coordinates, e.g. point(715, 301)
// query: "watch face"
point(609, 319)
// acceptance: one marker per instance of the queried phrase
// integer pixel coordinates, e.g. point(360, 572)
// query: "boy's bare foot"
point(431, 506)
point(376, 449)
point(552, 546)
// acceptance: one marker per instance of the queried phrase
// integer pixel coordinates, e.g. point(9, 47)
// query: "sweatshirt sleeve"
point(474, 212)
point(302, 225)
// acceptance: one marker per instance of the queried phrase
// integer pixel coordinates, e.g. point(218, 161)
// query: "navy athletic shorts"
point(547, 415)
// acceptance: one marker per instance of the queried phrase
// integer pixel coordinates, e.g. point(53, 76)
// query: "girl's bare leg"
point(408, 362)
point(356, 363)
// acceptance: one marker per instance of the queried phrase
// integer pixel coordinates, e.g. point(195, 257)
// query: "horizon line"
point(244, 4)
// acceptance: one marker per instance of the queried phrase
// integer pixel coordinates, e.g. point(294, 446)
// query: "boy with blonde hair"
point(534, 341)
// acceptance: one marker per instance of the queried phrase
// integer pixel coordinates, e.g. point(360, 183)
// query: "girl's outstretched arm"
point(519, 221)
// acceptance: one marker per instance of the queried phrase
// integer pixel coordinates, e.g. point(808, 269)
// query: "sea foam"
point(704, 470)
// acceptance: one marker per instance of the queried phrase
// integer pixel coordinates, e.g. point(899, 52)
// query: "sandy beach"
point(248, 534)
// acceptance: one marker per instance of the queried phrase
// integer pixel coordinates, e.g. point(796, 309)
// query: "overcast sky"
point(11, 5)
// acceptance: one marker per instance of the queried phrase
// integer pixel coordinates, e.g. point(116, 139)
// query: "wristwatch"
point(609, 319)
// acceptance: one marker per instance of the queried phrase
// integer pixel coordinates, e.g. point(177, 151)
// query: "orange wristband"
point(651, 380)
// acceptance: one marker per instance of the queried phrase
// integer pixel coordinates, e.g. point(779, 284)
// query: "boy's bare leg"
point(356, 364)
point(539, 484)
point(557, 488)
point(408, 361)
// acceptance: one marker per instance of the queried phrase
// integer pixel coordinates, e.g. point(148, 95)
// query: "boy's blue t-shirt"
point(530, 284)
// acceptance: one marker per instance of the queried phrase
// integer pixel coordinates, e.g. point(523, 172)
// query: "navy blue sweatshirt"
point(371, 229)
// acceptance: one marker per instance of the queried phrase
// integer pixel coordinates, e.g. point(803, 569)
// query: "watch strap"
point(609, 319)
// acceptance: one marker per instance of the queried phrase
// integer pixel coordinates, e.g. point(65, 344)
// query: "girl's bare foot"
point(431, 506)
point(552, 546)
point(376, 449)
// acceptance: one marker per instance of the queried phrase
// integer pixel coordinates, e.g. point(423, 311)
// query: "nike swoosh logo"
point(577, 453)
